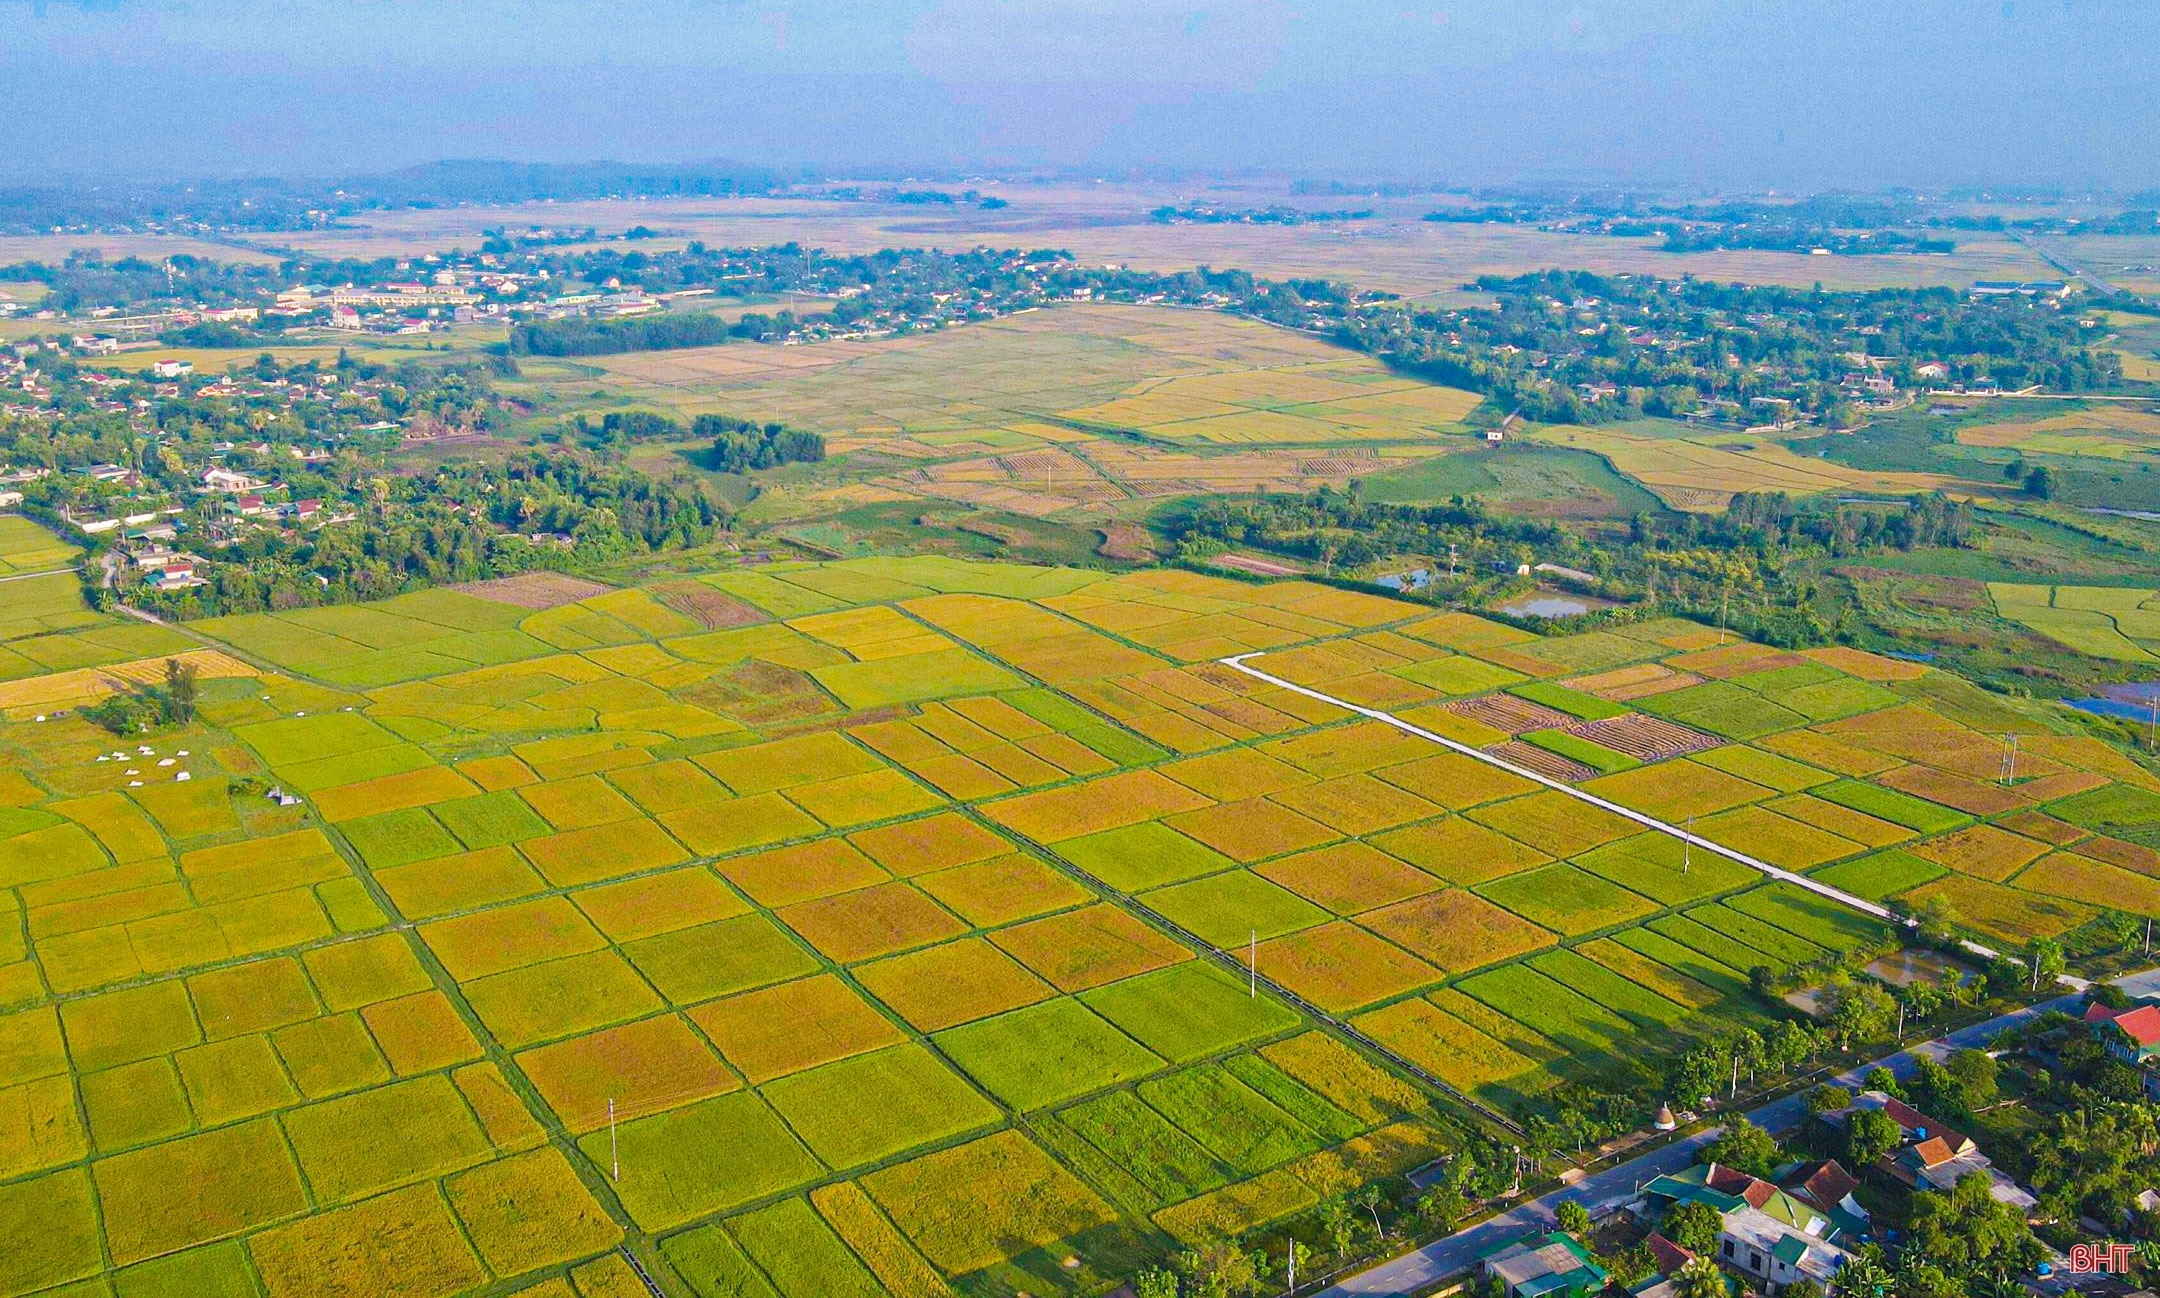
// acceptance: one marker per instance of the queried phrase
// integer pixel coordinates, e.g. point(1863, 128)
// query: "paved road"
point(1446, 1257)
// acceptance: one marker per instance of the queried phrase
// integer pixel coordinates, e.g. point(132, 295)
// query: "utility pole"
point(1734, 1093)
point(614, 1154)
point(1687, 846)
point(1901, 1022)
point(1252, 965)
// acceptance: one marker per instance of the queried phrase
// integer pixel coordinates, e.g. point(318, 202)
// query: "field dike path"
point(1237, 663)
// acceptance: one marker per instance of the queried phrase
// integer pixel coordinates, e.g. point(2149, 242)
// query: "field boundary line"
point(1236, 662)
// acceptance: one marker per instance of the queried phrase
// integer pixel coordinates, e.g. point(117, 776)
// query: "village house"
point(1771, 1235)
point(1931, 1155)
point(1545, 1266)
point(2133, 1036)
point(227, 480)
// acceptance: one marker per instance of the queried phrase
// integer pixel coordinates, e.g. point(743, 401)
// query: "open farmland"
point(888, 938)
point(1072, 408)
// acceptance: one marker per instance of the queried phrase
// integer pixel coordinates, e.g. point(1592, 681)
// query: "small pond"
point(1546, 603)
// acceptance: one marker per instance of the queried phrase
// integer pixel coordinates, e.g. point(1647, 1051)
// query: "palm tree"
point(1863, 1276)
point(1699, 1278)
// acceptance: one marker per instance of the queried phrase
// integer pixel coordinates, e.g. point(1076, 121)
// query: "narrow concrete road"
point(1442, 1258)
point(27, 576)
point(1863, 905)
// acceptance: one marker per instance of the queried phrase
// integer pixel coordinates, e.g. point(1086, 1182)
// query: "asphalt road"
point(1615, 1185)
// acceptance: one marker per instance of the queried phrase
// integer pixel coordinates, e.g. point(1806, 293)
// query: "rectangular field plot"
point(1574, 1021)
point(1567, 900)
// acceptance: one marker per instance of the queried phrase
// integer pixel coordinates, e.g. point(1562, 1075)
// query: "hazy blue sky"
point(1764, 93)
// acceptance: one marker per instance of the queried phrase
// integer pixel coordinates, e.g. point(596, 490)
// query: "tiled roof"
point(1826, 1185)
point(1668, 1256)
point(2141, 1025)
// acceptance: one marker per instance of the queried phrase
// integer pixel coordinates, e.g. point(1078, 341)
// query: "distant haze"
point(1804, 94)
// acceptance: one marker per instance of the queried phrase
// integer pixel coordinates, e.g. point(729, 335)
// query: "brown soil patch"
point(1542, 760)
point(1127, 542)
point(1644, 738)
point(1509, 713)
point(762, 694)
point(709, 607)
point(534, 590)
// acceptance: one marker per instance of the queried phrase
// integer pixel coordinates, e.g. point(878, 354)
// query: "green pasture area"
point(923, 887)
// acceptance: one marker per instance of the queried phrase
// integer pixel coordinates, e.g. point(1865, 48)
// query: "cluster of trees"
point(1773, 521)
point(738, 445)
point(86, 279)
point(587, 336)
point(1739, 568)
point(148, 707)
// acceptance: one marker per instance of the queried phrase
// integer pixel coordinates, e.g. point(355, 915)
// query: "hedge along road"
point(1237, 663)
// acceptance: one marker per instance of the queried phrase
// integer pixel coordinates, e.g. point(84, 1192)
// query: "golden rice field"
point(881, 925)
